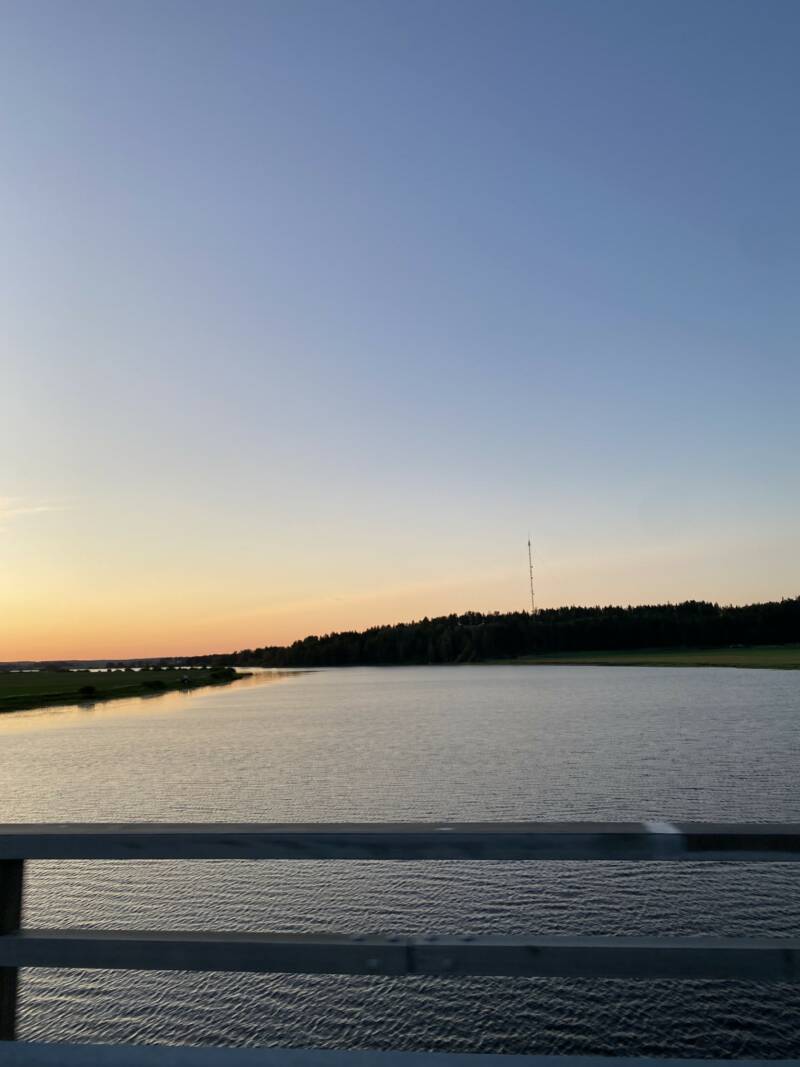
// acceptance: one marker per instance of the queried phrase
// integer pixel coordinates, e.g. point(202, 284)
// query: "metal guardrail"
point(23, 1054)
point(762, 959)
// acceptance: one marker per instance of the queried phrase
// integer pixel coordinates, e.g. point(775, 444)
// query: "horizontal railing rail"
point(757, 959)
point(63, 1055)
point(629, 842)
point(761, 959)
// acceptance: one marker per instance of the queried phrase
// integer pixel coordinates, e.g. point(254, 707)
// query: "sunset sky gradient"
point(312, 310)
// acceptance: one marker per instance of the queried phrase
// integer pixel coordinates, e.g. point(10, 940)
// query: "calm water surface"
point(469, 743)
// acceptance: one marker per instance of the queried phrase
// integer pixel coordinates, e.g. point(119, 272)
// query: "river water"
point(443, 743)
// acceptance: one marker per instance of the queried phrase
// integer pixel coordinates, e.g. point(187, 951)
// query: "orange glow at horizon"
point(52, 620)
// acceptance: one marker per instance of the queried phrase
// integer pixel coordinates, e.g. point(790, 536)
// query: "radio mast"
point(530, 572)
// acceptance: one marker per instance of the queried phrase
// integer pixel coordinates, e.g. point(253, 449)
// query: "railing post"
point(10, 920)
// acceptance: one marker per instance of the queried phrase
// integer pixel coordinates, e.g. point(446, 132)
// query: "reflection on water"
point(418, 743)
point(164, 700)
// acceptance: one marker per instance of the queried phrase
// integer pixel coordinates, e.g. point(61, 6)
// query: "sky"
point(312, 310)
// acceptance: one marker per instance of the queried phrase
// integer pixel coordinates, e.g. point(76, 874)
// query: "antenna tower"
point(530, 572)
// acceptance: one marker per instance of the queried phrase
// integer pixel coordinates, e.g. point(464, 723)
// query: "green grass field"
point(775, 657)
point(20, 690)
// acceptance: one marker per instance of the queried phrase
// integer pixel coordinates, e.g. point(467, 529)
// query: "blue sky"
point(313, 310)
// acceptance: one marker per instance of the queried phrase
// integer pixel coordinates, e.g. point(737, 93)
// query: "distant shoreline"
point(758, 657)
point(30, 690)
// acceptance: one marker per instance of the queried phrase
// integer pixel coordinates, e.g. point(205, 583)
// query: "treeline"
point(473, 637)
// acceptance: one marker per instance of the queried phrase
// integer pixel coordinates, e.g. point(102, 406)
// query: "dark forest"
point(474, 637)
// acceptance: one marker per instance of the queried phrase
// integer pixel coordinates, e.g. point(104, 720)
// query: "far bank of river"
point(23, 690)
point(773, 657)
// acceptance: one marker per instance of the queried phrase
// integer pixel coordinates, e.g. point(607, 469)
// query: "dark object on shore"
point(222, 674)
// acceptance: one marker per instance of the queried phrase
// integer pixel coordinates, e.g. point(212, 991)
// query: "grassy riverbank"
point(775, 657)
point(21, 690)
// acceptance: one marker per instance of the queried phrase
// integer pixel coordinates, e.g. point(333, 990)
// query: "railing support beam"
point(11, 875)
